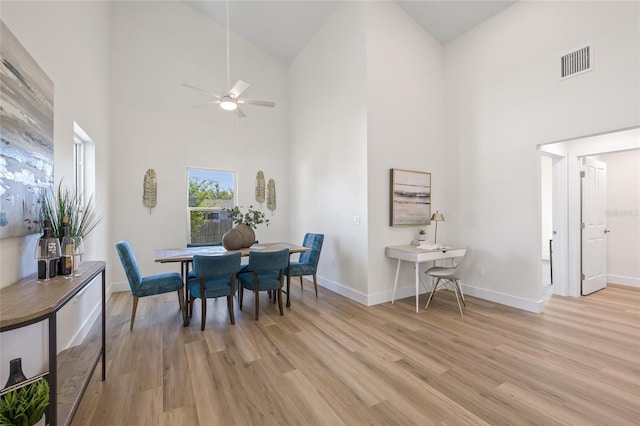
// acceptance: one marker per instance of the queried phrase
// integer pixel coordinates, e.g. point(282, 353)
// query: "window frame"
point(213, 209)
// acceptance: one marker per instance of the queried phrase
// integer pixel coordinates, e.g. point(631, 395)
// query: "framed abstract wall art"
point(26, 137)
point(410, 197)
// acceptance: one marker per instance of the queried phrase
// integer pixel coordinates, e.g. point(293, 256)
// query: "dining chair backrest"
point(125, 252)
point(204, 244)
point(260, 261)
point(314, 242)
point(215, 266)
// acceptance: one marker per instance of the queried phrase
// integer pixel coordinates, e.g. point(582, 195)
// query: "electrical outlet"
point(356, 220)
point(480, 271)
point(332, 262)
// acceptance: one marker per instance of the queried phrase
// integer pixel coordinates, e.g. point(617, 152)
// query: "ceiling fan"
point(231, 100)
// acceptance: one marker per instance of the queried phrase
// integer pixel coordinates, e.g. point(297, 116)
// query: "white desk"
point(417, 256)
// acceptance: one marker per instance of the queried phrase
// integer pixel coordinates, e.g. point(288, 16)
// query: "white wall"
point(328, 145)
point(376, 80)
point(405, 129)
point(503, 98)
point(69, 40)
point(155, 47)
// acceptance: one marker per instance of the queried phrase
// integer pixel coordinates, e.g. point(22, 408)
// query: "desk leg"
point(104, 326)
point(417, 285)
point(53, 371)
point(395, 283)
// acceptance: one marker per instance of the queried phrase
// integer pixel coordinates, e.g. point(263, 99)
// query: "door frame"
point(566, 191)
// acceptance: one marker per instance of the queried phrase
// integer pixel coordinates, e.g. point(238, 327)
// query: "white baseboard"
point(118, 287)
point(617, 279)
point(535, 306)
point(84, 329)
point(343, 291)
point(387, 296)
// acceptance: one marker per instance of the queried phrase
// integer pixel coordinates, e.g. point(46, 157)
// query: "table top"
point(424, 253)
point(186, 254)
point(425, 247)
point(30, 299)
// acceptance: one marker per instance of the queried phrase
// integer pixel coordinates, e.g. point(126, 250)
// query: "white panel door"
point(594, 241)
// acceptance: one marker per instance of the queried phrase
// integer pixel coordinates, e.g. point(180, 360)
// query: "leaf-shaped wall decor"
point(150, 189)
point(260, 187)
point(271, 195)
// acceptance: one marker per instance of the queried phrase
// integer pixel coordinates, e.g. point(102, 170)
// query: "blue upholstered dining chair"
point(149, 285)
point(213, 277)
point(307, 264)
point(265, 272)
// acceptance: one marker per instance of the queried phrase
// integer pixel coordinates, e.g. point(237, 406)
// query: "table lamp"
point(436, 217)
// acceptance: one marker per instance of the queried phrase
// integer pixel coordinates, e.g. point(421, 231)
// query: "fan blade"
point(238, 88)
point(208, 92)
point(255, 102)
point(240, 113)
point(206, 104)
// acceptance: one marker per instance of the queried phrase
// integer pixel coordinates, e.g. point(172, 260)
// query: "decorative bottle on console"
point(15, 371)
point(42, 244)
point(67, 246)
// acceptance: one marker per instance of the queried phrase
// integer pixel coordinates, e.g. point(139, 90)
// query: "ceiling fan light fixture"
point(228, 104)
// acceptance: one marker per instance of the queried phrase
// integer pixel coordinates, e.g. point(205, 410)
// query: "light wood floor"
point(330, 361)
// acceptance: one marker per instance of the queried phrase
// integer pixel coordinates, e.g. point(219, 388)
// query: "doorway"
point(565, 211)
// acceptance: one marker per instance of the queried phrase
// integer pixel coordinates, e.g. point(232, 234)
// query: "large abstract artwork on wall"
point(26, 137)
point(410, 197)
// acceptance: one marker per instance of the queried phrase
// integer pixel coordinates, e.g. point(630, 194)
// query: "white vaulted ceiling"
point(283, 28)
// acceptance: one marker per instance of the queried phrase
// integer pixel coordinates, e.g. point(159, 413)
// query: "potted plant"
point(242, 235)
point(83, 217)
point(25, 405)
point(422, 234)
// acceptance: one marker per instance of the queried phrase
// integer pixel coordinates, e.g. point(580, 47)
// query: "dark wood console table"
point(29, 301)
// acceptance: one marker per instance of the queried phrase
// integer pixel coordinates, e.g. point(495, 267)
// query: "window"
point(78, 170)
point(210, 191)
point(84, 164)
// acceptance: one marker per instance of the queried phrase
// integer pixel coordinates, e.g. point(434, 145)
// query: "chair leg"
point(241, 291)
point(230, 306)
point(455, 291)
point(301, 285)
point(133, 312)
point(315, 283)
point(257, 297)
point(191, 300)
point(433, 291)
point(280, 301)
point(460, 291)
point(203, 313)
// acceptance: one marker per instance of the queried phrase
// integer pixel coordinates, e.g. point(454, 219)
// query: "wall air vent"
point(576, 62)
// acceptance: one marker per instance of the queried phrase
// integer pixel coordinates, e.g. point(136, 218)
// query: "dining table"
point(184, 256)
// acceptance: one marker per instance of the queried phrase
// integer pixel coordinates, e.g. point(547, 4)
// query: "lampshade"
point(228, 104)
point(438, 217)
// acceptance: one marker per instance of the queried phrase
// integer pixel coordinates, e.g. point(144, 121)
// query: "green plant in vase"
point(83, 216)
point(251, 217)
point(25, 405)
point(67, 211)
point(242, 235)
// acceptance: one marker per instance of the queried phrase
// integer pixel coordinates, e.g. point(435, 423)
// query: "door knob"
point(606, 231)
